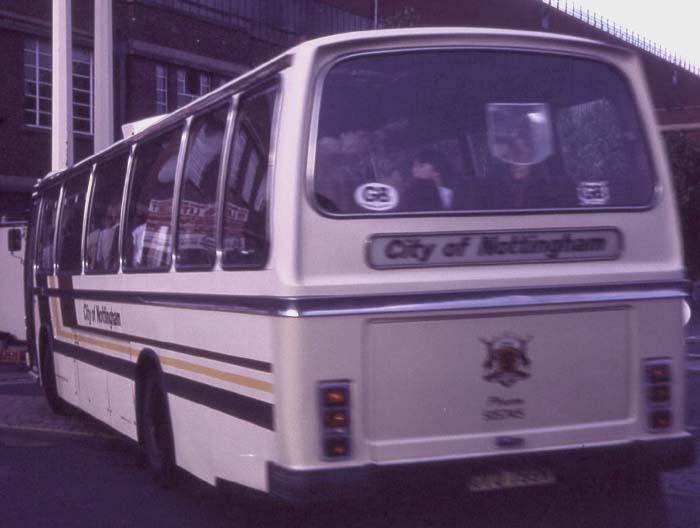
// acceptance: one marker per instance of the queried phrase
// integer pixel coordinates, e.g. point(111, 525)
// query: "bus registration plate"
point(505, 479)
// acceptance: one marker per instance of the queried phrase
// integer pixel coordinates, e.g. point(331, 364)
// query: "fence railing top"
point(623, 33)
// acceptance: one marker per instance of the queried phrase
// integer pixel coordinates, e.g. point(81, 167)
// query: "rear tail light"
point(659, 394)
point(334, 396)
point(334, 410)
point(337, 447)
point(657, 374)
point(336, 419)
point(660, 420)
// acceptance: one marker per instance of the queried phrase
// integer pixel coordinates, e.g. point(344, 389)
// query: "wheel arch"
point(45, 340)
point(147, 364)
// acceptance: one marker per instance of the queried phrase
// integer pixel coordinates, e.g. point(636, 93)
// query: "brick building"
point(167, 52)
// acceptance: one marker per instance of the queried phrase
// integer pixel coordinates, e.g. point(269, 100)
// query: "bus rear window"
point(477, 131)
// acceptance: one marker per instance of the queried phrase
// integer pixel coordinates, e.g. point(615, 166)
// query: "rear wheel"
point(156, 431)
point(48, 378)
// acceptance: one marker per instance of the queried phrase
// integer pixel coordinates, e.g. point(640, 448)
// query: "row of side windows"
point(147, 242)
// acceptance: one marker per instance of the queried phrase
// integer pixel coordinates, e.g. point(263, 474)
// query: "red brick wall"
point(24, 147)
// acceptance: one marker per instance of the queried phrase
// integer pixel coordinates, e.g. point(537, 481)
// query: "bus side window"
point(70, 229)
point(102, 245)
point(196, 235)
point(147, 239)
point(44, 254)
point(245, 243)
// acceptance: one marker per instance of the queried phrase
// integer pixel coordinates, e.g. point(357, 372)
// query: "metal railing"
point(282, 22)
point(622, 33)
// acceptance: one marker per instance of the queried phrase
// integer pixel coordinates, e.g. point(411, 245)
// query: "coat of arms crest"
point(506, 360)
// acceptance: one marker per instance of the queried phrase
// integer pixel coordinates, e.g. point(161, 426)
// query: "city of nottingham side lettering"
point(101, 315)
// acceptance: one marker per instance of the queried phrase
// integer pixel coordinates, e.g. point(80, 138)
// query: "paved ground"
point(72, 471)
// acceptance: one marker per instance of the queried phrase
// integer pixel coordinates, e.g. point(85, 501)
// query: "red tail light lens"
point(336, 419)
point(335, 396)
point(660, 420)
point(337, 447)
point(659, 393)
point(334, 407)
point(658, 373)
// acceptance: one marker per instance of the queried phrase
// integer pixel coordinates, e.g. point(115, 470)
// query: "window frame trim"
point(318, 79)
point(276, 82)
point(75, 174)
point(126, 268)
point(230, 105)
point(38, 270)
point(89, 207)
point(56, 224)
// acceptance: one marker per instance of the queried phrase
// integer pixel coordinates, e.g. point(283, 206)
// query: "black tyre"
point(48, 378)
point(156, 439)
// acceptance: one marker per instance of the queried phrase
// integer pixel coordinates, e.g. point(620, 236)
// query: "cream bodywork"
point(416, 370)
point(417, 387)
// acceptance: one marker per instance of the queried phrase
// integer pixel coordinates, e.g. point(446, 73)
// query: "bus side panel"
point(67, 378)
point(219, 382)
point(122, 411)
point(221, 410)
point(93, 395)
point(94, 376)
point(213, 445)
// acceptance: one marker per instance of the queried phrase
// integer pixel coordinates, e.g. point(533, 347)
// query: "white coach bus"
point(443, 254)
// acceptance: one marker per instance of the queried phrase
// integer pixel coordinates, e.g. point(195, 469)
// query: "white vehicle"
point(442, 254)
point(12, 325)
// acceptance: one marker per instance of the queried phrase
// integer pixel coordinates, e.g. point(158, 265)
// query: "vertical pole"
point(104, 73)
point(62, 86)
point(376, 14)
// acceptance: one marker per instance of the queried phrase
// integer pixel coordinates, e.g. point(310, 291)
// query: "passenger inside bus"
point(579, 146)
point(432, 185)
point(102, 242)
point(519, 181)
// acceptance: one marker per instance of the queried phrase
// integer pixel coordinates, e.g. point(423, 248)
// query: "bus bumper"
point(568, 465)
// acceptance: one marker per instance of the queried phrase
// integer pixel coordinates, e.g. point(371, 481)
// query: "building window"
point(37, 86)
point(37, 83)
point(82, 91)
point(161, 89)
point(190, 85)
